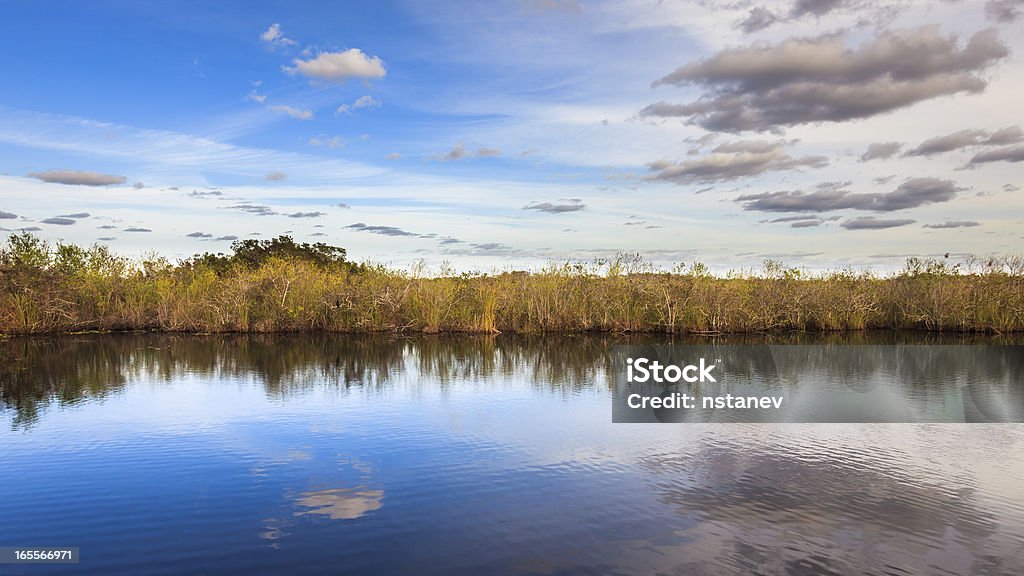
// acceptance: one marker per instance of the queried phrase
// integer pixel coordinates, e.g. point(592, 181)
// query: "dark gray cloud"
point(733, 160)
point(967, 138)
point(811, 80)
point(814, 7)
point(1004, 136)
point(758, 19)
point(872, 223)
point(947, 143)
point(137, 186)
point(384, 230)
point(484, 249)
point(570, 205)
point(107, 238)
point(1010, 188)
point(231, 237)
point(275, 176)
point(59, 221)
point(75, 215)
point(78, 178)
point(205, 193)
point(447, 241)
point(880, 151)
point(107, 227)
point(1004, 11)
point(200, 235)
point(257, 209)
point(343, 205)
point(306, 214)
point(1006, 154)
point(953, 224)
point(490, 246)
point(318, 234)
point(790, 219)
point(7, 215)
point(835, 196)
point(134, 229)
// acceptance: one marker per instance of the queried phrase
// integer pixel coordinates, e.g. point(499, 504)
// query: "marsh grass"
point(67, 288)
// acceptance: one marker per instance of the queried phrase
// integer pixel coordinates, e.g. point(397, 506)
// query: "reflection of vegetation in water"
point(37, 372)
point(280, 285)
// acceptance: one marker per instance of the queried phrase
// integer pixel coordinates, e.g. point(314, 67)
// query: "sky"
point(513, 134)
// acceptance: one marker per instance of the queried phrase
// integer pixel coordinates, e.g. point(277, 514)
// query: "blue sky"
point(821, 132)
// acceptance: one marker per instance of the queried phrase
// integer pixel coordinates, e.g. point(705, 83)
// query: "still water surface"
point(335, 455)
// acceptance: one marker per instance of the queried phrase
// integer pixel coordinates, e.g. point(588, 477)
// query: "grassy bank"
point(280, 285)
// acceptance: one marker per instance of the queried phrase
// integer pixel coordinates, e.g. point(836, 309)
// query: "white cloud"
point(361, 102)
point(256, 97)
point(275, 37)
point(458, 152)
point(332, 142)
point(338, 66)
point(293, 112)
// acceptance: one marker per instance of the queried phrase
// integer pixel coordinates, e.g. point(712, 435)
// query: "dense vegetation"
point(281, 285)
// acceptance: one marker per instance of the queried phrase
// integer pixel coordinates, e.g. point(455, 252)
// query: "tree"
point(252, 254)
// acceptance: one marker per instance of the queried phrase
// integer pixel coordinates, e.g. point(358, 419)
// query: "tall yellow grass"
point(66, 288)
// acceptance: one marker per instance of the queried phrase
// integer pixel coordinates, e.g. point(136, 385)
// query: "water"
point(437, 455)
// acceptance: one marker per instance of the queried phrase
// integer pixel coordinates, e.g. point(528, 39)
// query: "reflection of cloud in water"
point(272, 532)
point(341, 503)
point(780, 509)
